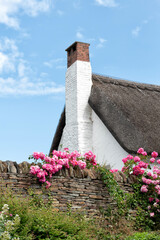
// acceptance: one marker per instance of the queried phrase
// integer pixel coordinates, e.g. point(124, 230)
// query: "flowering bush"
point(8, 224)
point(149, 177)
point(57, 161)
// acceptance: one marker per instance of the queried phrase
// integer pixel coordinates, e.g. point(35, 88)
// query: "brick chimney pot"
point(77, 51)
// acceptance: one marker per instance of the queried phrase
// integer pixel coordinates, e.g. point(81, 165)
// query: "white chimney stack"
point(77, 134)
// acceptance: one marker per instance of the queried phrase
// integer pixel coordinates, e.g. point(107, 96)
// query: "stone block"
point(3, 167)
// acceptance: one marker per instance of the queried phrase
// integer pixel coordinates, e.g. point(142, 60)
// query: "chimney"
point(77, 134)
point(77, 51)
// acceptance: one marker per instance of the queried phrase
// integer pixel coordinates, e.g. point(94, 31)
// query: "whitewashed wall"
point(105, 146)
point(84, 130)
point(77, 134)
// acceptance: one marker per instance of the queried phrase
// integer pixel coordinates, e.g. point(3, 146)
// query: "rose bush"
point(148, 177)
point(58, 160)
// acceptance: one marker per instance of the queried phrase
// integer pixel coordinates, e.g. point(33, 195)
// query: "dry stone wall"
point(81, 190)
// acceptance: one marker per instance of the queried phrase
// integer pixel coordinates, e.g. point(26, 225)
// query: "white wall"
point(84, 130)
point(77, 134)
point(105, 146)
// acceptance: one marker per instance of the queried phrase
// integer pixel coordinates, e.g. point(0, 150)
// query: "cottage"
point(111, 117)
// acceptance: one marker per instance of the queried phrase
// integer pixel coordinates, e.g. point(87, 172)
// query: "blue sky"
point(124, 37)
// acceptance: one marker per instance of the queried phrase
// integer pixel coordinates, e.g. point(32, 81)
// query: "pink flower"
point(124, 160)
point(156, 170)
point(74, 162)
point(47, 159)
point(144, 188)
point(149, 207)
point(66, 149)
point(154, 176)
point(152, 160)
point(155, 182)
point(59, 166)
point(81, 164)
point(142, 164)
point(42, 180)
point(41, 175)
point(140, 150)
point(137, 159)
point(76, 154)
point(34, 169)
point(149, 174)
point(157, 200)
point(61, 161)
point(48, 184)
point(152, 214)
point(158, 161)
point(48, 167)
point(157, 187)
point(154, 154)
point(36, 155)
point(113, 170)
point(137, 171)
point(10, 215)
point(56, 153)
point(151, 199)
point(129, 157)
point(91, 158)
point(41, 155)
point(54, 159)
point(144, 153)
point(124, 169)
point(146, 180)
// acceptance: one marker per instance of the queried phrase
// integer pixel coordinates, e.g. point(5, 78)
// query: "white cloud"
point(60, 13)
point(8, 55)
point(53, 62)
point(145, 21)
point(48, 64)
point(23, 86)
point(5, 63)
point(21, 69)
point(136, 31)
point(101, 43)
point(9, 10)
point(79, 35)
point(61, 67)
point(22, 80)
point(43, 75)
point(107, 3)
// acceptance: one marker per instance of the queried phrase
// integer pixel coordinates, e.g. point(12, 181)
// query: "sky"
point(124, 37)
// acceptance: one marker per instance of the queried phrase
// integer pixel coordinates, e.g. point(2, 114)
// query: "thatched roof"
point(130, 110)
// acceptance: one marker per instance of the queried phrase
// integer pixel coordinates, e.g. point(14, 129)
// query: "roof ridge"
point(125, 83)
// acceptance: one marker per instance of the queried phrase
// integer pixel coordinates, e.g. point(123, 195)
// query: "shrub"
point(58, 160)
point(144, 236)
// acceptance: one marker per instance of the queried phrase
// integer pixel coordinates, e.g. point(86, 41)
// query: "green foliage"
point(144, 236)
point(123, 200)
point(40, 220)
point(37, 200)
point(126, 202)
point(113, 188)
point(140, 203)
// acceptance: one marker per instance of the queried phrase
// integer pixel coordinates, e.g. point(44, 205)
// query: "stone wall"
point(83, 190)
